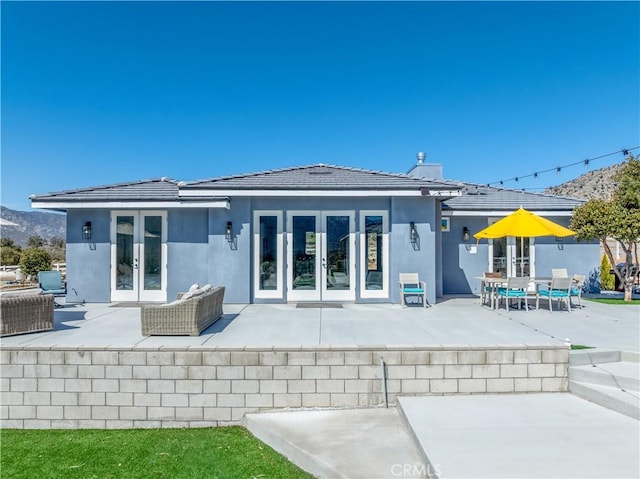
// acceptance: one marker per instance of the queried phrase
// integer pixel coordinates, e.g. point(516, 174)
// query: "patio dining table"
point(495, 283)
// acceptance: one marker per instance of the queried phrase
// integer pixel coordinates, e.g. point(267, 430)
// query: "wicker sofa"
point(26, 313)
point(183, 317)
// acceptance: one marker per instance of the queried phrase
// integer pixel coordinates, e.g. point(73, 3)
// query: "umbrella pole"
point(521, 255)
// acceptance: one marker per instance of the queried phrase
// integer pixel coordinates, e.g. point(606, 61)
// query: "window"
point(268, 255)
point(374, 254)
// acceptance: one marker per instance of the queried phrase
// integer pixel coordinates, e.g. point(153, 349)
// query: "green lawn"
point(613, 301)
point(225, 452)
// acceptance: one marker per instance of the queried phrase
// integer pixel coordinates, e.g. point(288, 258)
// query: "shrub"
point(607, 280)
point(35, 260)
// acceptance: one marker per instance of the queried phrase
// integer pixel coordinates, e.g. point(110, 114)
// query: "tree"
point(606, 278)
point(618, 219)
point(35, 260)
point(9, 252)
point(36, 242)
point(57, 249)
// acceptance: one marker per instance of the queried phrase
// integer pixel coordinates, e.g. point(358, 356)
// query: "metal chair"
point(410, 284)
point(51, 283)
point(559, 289)
point(516, 288)
point(576, 287)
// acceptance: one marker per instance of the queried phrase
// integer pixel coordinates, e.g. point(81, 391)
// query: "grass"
point(613, 301)
point(580, 346)
point(225, 452)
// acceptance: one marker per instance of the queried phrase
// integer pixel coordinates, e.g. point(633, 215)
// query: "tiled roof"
point(160, 189)
point(482, 197)
point(320, 177)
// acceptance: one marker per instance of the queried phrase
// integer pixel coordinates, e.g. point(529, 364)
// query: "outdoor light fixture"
point(86, 230)
point(465, 234)
point(228, 231)
point(413, 232)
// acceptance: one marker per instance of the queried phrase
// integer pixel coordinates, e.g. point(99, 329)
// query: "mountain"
point(31, 223)
point(593, 184)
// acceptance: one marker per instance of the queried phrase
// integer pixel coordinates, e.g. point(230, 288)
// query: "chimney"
point(432, 171)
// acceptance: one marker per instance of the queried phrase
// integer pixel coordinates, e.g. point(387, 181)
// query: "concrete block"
point(65, 371)
point(287, 400)
point(104, 412)
point(287, 372)
point(159, 358)
point(238, 413)
point(472, 357)
point(231, 400)
point(500, 356)
point(202, 372)
point(5, 383)
point(189, 414)
point(357, 358)
point(259, 400)
point(37, 424)
point(132, 358)
point(26, 384)
point(245, 386)
point(148, 424)
point(272, 358)
point(555, 356)
point(315, 372)
point(172, 424)
point(91, 371)
point(430, 372)
point(258, 372)
point(50, 357)
point(64, 399)
point(414, 386)
point(216, 358)
point(316, 400)
point(160, 413)
point(77, 357)
point(133, 385)
point(5, 357)
point(49, 412)
point(12, 398)
point(147, 400)
point(245, 358)
point(117, 372)
point(527, 385)
point(80, 424)
point(485, 371)
point(118, 424)
point(37, 371)
point(217, 414)
point(330, 358)
point(301, 386)
point(330, 386)
point(369, 372)
point(415, 357)
point(77, 412)
point(187, 358)
point(456, 371)
point(369, 400)
point(24, 357)
point(92, 399)
point(500, 385)
point(230, 372)
point(444, 357)
point(120, 399)
point(513, 370)
point(77, 385)
point(268, 386)
point(12, 424)
point(389, 357)
point(146, 372)
point(216, 386)
point(22, 412)
point(12, 371)
point(555, 384)
point(472, 385)
point(562, 370)
point(161, 386)
point(174, 372)
point(301, 358)
point(104, 385)
point(107, 358)
point(203, 400)
point(527, 356)
point(541, 370)
point(401, 372)
point(133, 413)
point(174, 400)
point(444, 386)
point(189, 386)
point(345, 372)
point(356, 386)
point(344, 400)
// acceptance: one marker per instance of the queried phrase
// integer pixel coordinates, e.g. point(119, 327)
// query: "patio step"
point(584, 357)
point(624, 402)
point(622, 375)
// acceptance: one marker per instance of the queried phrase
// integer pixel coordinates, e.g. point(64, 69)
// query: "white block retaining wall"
point(191, 387)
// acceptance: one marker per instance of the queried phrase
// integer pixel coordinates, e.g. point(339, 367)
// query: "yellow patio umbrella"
point(524, 224)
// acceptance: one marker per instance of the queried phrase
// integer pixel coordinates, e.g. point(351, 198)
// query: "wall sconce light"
point(466, 236)
point(228, 231)
point(413, 232)
point(86, 230)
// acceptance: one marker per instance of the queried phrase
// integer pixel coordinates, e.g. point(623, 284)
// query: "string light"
point(558, 169)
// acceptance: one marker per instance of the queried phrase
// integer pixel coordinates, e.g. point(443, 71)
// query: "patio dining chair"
point(486, 289)
point(559, 289)
point(559, 273)
point(576, 287)
point(410, 284)
point(51, 283)
point(516, 288)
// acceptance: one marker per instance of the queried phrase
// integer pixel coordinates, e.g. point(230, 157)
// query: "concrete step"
point(622, 375)
point(624, 402)
point(345, 443)
point(583, 357)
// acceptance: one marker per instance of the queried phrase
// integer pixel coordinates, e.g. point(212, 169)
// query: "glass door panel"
point(338, 256)
point(125, 261)
point(152, 266)
point(304, 249)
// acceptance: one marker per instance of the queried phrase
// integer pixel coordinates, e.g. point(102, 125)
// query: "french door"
point(138, 256)
point(513, 256)
point(321, 256)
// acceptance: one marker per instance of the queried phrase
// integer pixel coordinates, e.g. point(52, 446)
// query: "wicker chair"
point(184, 317)
point(26, 313)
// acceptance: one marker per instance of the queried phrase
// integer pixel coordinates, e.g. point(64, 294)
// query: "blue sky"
point(105, 92)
